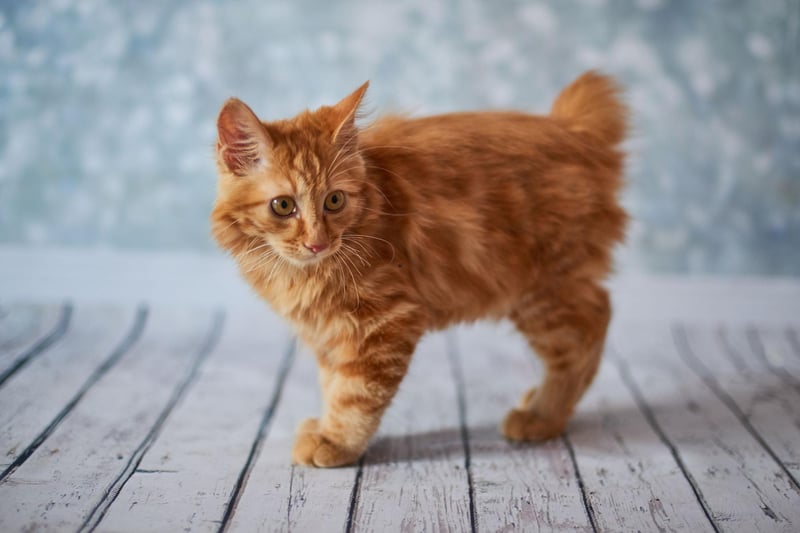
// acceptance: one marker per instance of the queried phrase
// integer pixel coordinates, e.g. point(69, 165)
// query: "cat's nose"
point(316, 247)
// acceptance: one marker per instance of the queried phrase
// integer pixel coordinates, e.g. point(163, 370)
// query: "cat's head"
point(291, 187)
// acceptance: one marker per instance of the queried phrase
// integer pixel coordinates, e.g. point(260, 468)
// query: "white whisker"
point(377, 239)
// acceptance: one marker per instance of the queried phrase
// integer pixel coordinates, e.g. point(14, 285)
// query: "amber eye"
point(334, 201)
point(283, 206)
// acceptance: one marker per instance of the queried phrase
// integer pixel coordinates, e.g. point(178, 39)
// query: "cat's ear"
point(243, 143)
point(344, 115)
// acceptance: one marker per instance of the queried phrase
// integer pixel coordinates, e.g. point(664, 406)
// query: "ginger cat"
point(364, 239)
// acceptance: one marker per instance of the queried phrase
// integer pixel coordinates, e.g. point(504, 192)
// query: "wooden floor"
point(119, 418)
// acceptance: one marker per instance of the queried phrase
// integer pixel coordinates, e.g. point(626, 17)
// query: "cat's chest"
point(319, 311)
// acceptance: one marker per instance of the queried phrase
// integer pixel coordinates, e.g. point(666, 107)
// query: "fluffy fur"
point(448, 218)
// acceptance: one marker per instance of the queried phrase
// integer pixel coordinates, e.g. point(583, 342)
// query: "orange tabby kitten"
point(366, 239)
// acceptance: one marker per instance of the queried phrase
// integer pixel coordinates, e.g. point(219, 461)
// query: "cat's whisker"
point(336, 159)
point(377, 239)
point(235, 221)
point(279, 265)
point(342, 171)
point(363, 247)
point(339, 273)
point(263, 259)
point(342, 150)
point(355, 285)
point(392, 172)
point(351, 262)
point(258, 264)
point(355, 253)
point(266, 253)
point(251, 250)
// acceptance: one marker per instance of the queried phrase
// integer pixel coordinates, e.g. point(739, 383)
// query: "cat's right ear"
point(243, 143)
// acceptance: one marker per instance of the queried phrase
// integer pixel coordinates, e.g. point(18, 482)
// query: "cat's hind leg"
point(566, 327)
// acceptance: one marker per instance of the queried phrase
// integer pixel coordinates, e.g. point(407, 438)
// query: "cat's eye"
point(334, 201)
point(283, 206)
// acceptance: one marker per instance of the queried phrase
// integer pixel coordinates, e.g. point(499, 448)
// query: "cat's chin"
point(311, 260)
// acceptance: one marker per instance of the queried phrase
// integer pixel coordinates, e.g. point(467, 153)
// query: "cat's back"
point(479, 145)
point(495, 184)
point(451, 132)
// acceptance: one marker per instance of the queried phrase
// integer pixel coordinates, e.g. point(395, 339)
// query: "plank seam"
point(730, 352)
point(261, 434)
point(696, 365)
point(354, 497)
point(458, 377)
point(794, 341)
point(289, 503)
point(111, 493)
point(130, 338)
point(754, 339)
point(581, 486)
point(55, 334)
point(648, 414)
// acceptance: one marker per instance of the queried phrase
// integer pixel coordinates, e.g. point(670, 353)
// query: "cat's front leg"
point(357, 386)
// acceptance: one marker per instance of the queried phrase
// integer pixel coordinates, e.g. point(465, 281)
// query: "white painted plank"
point(517, 486)
point(17, 322)
point(185, 480)
point(33, 397)
point(633, 483)
point(282, 497)
point(792, 334)
point(768, 403)
point(773, 347)
point(414, 477)
point(745, 489)
point(22, 327)
point(65, 479)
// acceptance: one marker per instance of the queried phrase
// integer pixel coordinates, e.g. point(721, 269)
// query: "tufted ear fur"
point(343, 116)
point(243, 143)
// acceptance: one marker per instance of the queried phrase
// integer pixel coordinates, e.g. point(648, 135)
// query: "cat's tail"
point(592, 105)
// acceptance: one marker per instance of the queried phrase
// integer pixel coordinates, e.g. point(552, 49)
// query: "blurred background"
point(107, 109)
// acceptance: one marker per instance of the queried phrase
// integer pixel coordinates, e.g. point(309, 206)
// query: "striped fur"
point(448, 218)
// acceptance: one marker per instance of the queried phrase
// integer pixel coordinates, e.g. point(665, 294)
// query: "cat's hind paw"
point(311, 448)
point(525, 425)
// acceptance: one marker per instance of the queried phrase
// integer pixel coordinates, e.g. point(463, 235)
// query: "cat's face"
point(291, 187)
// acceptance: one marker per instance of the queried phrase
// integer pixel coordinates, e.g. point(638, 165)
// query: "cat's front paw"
point(311, 448)
point(527, 425)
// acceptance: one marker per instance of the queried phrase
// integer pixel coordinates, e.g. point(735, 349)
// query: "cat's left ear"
point(344, 115)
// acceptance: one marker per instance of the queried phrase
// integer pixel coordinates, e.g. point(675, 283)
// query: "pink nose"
point(317, 247)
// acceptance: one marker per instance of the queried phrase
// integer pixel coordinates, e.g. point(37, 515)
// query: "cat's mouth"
point(307, 258)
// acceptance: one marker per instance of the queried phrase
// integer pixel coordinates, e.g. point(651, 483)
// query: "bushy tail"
point(592, 105)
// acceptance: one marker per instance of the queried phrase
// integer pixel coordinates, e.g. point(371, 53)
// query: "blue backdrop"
point(107, 109)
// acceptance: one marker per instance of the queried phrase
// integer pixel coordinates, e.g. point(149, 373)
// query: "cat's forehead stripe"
point(306, 161)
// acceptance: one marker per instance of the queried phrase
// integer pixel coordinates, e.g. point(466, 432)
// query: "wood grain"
point(68, 476)
point(26, 331)
point(766, 401)
point(529, 487)
point(185, 480)
point(280, 497)
point(773, 348)
point(62, 371)
point(632, 480)
point(741, 484)
point(689, 427)
point(414, 476)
